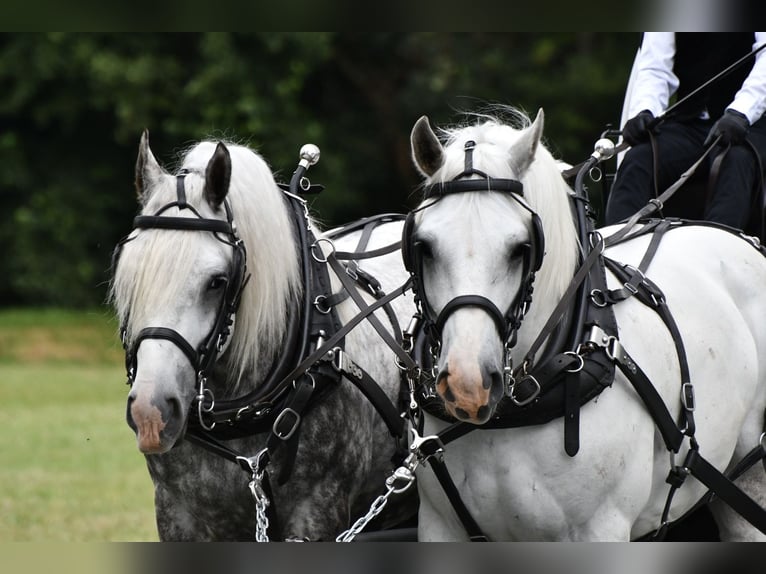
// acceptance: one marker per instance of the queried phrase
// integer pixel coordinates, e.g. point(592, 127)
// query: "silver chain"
point(401, 480)
point(261, 504)
point(259, 495)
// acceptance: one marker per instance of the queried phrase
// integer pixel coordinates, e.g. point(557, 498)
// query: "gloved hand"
point(636, 129)
point(732, 126)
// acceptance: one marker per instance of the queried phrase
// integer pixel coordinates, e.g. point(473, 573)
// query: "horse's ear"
point(147, 169)
point(523, 151)
point(218, 176)
point(427, 150)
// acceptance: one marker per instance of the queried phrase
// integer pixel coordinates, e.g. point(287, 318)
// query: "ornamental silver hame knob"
point(603, 149)
point(309, 154)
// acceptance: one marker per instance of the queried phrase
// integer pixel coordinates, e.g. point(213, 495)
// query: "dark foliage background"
point(74, 104)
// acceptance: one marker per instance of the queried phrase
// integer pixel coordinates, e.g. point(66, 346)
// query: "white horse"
point(176, 274)
point(519, 483)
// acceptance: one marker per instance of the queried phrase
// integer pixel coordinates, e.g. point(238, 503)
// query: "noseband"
point(203, 357)
point(507, 323)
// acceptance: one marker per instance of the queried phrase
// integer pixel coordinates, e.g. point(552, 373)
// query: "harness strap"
point(364, 278)
point(677, 475)
point(370, 389)
point(431, 449)
point(695, 464)
point(562, 306)
point(652, 399)
point(380, 251)
point(315, 356)
point(637, 274)
point(180, 189)
point(286, 428)
point(726, 490)
point(442, 474)
point(367, 311)
point(651, 295)
point(656, 204)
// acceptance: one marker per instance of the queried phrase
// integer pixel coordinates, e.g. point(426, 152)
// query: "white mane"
point(153, 267)
point(545, 190)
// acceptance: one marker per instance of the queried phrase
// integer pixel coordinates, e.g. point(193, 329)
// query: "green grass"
point(69, 467)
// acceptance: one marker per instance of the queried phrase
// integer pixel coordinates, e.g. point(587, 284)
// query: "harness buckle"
point(687, 397)
point(525, 380)
point(286, 434)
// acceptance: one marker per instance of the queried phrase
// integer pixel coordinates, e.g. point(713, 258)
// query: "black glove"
point(637, 128)
point(732, 126)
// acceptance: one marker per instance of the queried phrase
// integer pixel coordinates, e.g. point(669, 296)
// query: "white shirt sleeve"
point(655, 81)
point(751, 98)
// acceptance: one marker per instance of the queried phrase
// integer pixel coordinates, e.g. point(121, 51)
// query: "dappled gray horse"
point(260, 411)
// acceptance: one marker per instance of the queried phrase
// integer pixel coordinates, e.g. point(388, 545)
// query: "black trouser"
point(679, 145)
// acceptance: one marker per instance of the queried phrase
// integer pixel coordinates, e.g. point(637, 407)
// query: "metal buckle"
point(687, 397)
point(525, 379)
point(278, 420)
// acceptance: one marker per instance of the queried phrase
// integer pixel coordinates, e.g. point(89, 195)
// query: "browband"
point(463, 185)
point(182, 223)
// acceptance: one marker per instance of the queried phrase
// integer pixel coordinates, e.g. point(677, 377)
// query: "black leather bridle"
point(507, 323)
point(204, 356)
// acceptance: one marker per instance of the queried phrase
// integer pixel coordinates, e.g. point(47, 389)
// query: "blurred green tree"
point(74, 106)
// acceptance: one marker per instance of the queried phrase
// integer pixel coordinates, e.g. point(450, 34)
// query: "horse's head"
point(177, 280)
point(474, 246)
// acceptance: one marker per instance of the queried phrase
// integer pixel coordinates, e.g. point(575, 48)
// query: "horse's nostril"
point(490, 378)
point(462, 414)
point(443, 383)
point(174, 408)
point(482, 413)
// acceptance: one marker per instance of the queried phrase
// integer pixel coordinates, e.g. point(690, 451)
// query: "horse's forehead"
point(490, 220)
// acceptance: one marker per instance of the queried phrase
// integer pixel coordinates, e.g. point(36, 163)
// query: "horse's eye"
point(424, 249)
point(218, 282)
point(516, 252)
